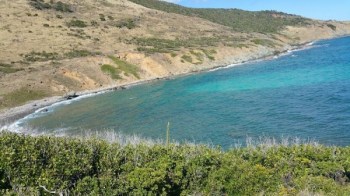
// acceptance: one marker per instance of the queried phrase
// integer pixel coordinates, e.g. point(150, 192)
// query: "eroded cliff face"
point(101, 44)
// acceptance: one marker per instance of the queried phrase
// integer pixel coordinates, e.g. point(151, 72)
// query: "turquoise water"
point(305, 94)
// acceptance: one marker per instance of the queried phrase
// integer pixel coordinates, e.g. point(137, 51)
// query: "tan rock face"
point(319, 30)
point(51, 56)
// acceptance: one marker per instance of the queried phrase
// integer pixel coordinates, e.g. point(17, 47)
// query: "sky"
point(316, 9)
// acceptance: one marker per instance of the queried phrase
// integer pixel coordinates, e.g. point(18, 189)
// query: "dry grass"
point(21, 96)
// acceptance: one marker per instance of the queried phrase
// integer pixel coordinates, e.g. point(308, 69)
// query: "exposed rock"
point(70, 96)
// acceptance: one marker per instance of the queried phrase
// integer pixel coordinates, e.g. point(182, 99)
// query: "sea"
point(302, 94)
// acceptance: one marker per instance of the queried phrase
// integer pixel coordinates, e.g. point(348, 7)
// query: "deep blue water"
point(305, 94)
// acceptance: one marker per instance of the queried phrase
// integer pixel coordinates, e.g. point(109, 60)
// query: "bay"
point(304, 94)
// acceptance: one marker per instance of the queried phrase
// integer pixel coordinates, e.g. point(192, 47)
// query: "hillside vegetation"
point(238, 20)
point(39, 165)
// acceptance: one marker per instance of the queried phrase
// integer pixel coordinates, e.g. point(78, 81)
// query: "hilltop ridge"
point(51, 48)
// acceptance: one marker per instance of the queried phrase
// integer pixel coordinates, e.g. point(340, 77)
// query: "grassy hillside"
point(62, 46)
point(238, 20)
point(38, 165)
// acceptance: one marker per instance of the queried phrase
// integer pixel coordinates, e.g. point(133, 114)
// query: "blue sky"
point(317, 9)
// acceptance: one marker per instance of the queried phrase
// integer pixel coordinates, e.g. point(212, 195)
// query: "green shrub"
point(333, 27)
point(77, 23)
point(112, 71)
point(187, 58)
point(94, 167)
point(58, 6)
point(264, 42)
point(94, 23)
point(39, 4)
point(128, 23)
point(80, 53)
point(47, 56)
point(102, 17)
point(156, 45)
point(198, 55)
point(149, 50)
point(126, 67)
point(209, 53)
point(41, 56)
point(7, 68)
point(79, 33)
point(62, 7)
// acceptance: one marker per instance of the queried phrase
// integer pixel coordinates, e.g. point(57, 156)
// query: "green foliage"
point(239, 20)
point(47, 56)
point(238, 45)
point(58, 6)
point(156, 45)
point(128, 23)
point(94, 23)
point(39, 4)
point(7, 68)
point(62, 7)
point(79, 33)
point(80, 53)
point(126, 67)
point(21, 96)
point(187, 58)
point(199, 56)
point(102, 17)
point(77, 23)
point(41, 56)
point(209, 54)
point(333, 27)
point(112, 71)
point(94, 167)
point(264, 42)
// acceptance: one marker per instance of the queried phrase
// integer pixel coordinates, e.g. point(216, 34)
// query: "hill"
point(238, 20)
point(53, 48)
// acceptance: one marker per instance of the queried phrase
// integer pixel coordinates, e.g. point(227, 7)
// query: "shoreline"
point(9, 116)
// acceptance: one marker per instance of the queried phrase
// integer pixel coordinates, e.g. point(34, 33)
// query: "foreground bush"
point(39, 165)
